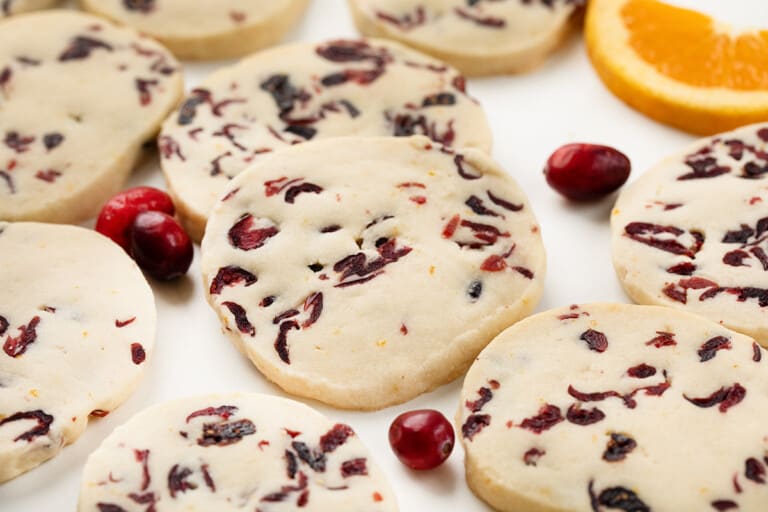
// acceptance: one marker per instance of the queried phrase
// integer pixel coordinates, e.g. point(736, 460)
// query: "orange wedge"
point(678, 66)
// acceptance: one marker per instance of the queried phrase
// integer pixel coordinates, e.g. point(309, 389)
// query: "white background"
point(531, 115)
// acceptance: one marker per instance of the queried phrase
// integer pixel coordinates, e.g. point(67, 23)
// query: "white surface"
point(531, 115)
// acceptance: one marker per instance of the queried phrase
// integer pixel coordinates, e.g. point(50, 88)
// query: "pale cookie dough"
point(479, 37)
point(78, 98)
point(308, 91)
point(205, 29)
point(364, 271)
point(692, 233)
point(234, 452)
point(11, 7)
point(77, 327)
point(610, 407)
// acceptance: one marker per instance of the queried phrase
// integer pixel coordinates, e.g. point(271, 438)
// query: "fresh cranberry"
point(583, 172)
point(421, 439)
point(118, 213)
point(160, 245)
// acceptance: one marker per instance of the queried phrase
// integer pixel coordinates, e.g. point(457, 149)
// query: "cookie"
point(301, 92)
point(362, 272)
point(10, 7)
point(233, 452)
point(205, 29)
point(692, 233)
point(617, 407)
point(478, 37)
point(78, 98)
point(77, 327)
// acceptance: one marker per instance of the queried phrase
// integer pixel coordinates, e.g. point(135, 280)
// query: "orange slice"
point(678, 66)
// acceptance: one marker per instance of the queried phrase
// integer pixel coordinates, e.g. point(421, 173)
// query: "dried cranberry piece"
point(314, 304)
point(335, 437)
point(188, 110)
point(757, 352)
point(579, 416)
point(5, 74)
point(177, 480)
point(3, 325)
point(458, 160)
point(618, 447)
point(242, 234)
point(709, 349)
point(144, 6)
point(641, 371)
point(664, 339)
point(354, 467)
point(8, 181)
point(226, 433)
point(406, 21)
point(725, 397)
point(43, 424)
point(584, 172)
point(474, 290)
point(292, 464)
point(350, 51)
point(548, 416)
point(17, 142)
point(736, 258)
point(754, 470)
point(138, 355)
point(474, 424)
point(241, 318)
point(283, 92)
point(110, 507)
point(224, 412)
point(81, 47)
point(207, 478)
point(52, 140)
point(15, 347)
point(617, 497)
point(532, 456)
point(281, 343)
point(596, 340)
point(644, 233)
point(292, 192)
point(442, 99)
point(486, 395)
point(739, 236)
point(485, 21)
point(723, 505)
point(477, 206)
point(703, 167)
point(504, 203)
point(314, 460)
point(229, 276)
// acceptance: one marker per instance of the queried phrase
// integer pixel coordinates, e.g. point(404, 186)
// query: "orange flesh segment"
point(685, 46)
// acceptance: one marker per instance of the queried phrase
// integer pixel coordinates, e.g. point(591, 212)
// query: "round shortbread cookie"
point(11, 7)
point(692, 233)
point(364, 271)
point(77, 324)
point(78, 98)
point(205, 29)
point(233, 452)
point(479, 37)
point(294, 93)
point(616, 407)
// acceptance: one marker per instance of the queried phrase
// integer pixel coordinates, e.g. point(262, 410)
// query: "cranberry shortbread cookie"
point(364, 271)
point(77, 327)
point(692, 233)
point(301, 92)
point(78, 98)
point(479, 37)
point(11, 7)
point(617, 407)
point(205, 29)
point(233, 452)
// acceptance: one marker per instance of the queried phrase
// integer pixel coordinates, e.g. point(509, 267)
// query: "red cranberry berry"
point(583, 172)
point(421, 439)
point(118, 213)
point(160, 245)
